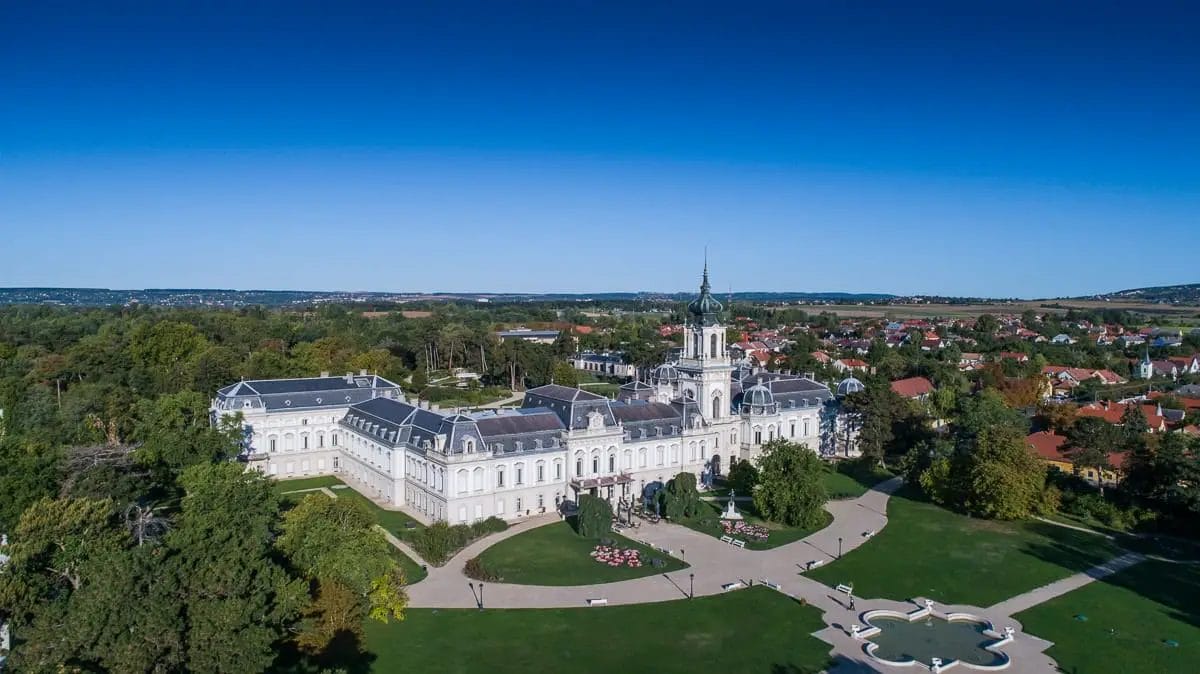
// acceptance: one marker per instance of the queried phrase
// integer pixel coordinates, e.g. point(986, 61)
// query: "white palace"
point(696, 415)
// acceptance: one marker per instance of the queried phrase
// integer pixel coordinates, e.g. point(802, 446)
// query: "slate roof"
point(304, 393)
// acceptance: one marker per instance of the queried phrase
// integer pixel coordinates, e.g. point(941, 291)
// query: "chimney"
point(349, 377)
point(435, 407)
point(324, 373)
point(362, 373)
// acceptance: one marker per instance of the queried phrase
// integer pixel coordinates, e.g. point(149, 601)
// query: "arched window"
point(477, 479)
point(540, 472)
point(462, 481)
point(558, 468)
point(716, 407)
point(659, 455)
point(520, 474)
point(612, 463)
point(468, 445)
point(712, 351)
point(758, 435)
point(642, 457)
point(627, 460)
point(304, 441)
point(500, 476)
point(579, 465)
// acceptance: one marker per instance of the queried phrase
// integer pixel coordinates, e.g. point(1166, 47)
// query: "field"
point(1165, 313)
point(1143, 619)
point(753, 630)
point(928, 551)
point(555, 555)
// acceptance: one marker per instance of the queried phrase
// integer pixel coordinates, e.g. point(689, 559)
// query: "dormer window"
point(518, 445)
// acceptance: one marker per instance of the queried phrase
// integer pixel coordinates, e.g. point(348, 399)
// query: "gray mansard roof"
point(305, 393)
point(787, 390)
point(396, 423)
point(572, 405)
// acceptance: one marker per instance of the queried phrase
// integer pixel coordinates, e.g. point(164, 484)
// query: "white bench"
point(597, 602)
point(735, 585)
point(773, 586)
point(845, 589)
point(738, 543)
point(868, 534)
point(815, 563)
point(727, 539)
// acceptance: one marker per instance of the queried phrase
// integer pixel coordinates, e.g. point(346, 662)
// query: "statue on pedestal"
point(731, 512)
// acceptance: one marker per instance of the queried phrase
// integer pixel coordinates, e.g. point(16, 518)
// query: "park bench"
point(815, 563)
point(739, 543)
point(597, 602)
point(737, 584)
point(727, 539)
point(845, 589)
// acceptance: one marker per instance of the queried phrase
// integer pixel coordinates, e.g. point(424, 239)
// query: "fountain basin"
point(934, 641)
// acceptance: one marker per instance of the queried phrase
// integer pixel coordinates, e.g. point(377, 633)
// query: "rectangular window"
point(518, 506)
point(558, 471)
point(500, 507)
point(320, 441)
point(462, 513)
point(541, 473)
point(520, 475)
point(499, 477)
point(333, 439)
point(320, 464)
point(304, 441)
point(272, 443)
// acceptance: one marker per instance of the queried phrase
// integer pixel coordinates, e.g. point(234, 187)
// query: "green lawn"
point(1130, 617)
point(753, 630)
point(928, 551)
point(781, 534)
point(555, 555)
point(284, 486)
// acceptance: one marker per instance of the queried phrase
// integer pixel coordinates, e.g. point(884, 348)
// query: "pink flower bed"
point(740, 528)
point(614, 556)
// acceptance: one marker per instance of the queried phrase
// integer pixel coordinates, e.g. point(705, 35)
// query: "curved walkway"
point(713, 564)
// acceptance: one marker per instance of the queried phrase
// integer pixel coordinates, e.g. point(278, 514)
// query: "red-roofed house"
point(1049, 447)
point(1014, 355)
point(917, 388)
point(821, 357)
point(1111, 412)
point(848, 364)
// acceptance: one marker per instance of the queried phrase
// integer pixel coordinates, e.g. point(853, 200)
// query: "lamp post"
point(839, 547)
point(691, 586)
point(481, 596)
point(683, 554)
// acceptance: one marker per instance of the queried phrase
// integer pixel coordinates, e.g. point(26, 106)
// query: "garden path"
point(713, 564)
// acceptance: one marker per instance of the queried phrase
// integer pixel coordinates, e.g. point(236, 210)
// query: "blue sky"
point(1002, 149)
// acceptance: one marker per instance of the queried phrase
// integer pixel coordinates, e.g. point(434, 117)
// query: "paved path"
point(713, 563)
point(1014, 605)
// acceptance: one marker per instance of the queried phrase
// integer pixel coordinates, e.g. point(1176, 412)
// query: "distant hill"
point(1181, 294)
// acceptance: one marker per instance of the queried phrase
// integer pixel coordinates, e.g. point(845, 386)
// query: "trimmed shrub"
point(477, 569)
point(594, 518)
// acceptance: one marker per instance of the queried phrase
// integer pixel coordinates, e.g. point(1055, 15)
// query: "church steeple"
point(705, 308)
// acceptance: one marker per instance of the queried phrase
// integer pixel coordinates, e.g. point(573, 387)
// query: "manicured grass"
point(753, 630)
point(1130, 617)
point(555, 555)
point(928, 551)
point(781, 534)
point(284, 486)
point(392, 520)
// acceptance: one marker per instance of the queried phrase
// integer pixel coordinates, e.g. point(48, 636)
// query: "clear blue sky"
point(1002, 148)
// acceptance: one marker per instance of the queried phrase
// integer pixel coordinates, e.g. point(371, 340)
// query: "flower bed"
point(614, 556)
point(741, 528)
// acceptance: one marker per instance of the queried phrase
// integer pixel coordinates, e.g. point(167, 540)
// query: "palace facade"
point(698, 415)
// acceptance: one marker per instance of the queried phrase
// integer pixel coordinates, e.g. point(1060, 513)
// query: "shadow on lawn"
point(1174, 586)
point(344, 653)
point(1074, 550)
